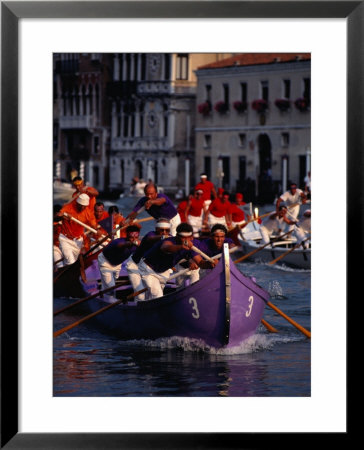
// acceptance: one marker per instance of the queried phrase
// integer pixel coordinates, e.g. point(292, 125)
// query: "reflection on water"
point(180, 367)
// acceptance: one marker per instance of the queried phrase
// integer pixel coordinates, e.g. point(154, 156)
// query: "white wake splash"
point(256, 343)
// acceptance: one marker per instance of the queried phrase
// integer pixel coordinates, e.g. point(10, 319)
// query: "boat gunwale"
point(169, 298)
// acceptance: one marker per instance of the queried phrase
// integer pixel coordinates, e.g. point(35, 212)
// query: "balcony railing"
point(76, 122)
point(139, 143)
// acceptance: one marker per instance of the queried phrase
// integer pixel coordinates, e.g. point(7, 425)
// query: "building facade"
point(81, 121)
point(253, 124)
point(153, 115)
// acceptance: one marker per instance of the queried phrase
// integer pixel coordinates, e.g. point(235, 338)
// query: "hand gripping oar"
point(90, 316)
point(197, 250)
point(288, 252)
point(233, 232)
point(118, 228)
point(183, 271)
point(121, 227)
point(242, 258)
point(80, 223)
point(89, 297)
point(262, 217)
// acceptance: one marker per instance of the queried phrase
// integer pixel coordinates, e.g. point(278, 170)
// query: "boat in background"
point(62, 191)
point(298, 257)
point(222, 309)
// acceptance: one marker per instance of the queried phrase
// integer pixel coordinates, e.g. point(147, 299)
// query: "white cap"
point(307, 212)
point(83, 199)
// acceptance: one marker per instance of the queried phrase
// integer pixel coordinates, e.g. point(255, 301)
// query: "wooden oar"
point(288, 252)
point(197, 250)
point(291, 321)
point(80, 223)
point(256, 250)
point(90, 316)
point(264, 215)
point(299, 327)
point(268, 326)
point(89, 297)
point(66, 268)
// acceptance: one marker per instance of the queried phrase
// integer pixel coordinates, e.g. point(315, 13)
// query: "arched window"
point(138, 170)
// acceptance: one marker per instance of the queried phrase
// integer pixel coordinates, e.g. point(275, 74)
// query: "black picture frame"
point(11, 12)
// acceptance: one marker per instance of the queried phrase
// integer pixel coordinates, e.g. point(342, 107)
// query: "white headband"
point(163, 225)
point(185, 233)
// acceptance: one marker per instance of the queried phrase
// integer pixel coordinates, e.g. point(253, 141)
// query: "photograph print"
point(182, 224)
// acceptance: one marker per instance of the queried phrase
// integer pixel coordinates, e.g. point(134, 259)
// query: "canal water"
point(87, 363)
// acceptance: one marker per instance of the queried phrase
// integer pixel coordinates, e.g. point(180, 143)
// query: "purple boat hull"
point(222, 309)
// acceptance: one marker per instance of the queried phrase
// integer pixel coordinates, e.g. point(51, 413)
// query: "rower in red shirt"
point(80, 187)
point(57, 222)
point(117, 220)
point(237, 214)
point(208, 190)
point(71, 237)
point(181, 209)
point(100, 214)
point(195, 211)
point(218, 211)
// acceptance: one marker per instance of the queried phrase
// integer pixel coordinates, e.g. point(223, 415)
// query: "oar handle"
point(118, 228)
point(197, 250)
point(80, 223)
point(231, 250)
point(177, 274)
point(265, 215)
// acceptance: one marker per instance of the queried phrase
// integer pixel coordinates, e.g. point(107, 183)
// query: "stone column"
point(116, 67)
point(132, 71)
point(114, 120)
point(124, 77)
point(139, 69)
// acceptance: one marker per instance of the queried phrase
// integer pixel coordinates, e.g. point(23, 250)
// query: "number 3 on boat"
point(196, 313)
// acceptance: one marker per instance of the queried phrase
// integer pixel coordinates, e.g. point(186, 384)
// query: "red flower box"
point(302, 104)
point(204, 108)
point(260, 105)
point(240, 106)
point(283, 104)
point(221, 107)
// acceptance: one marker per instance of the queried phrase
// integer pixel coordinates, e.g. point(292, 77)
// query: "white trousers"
point(70, 248)
point(135, 277)
point(301, 235)
point(196, 224)
point(57, 255)
point(213, 220)
point(154, 281)
point(174, 222)
point(109, 273)
point(266, 234)
point(292, 214)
